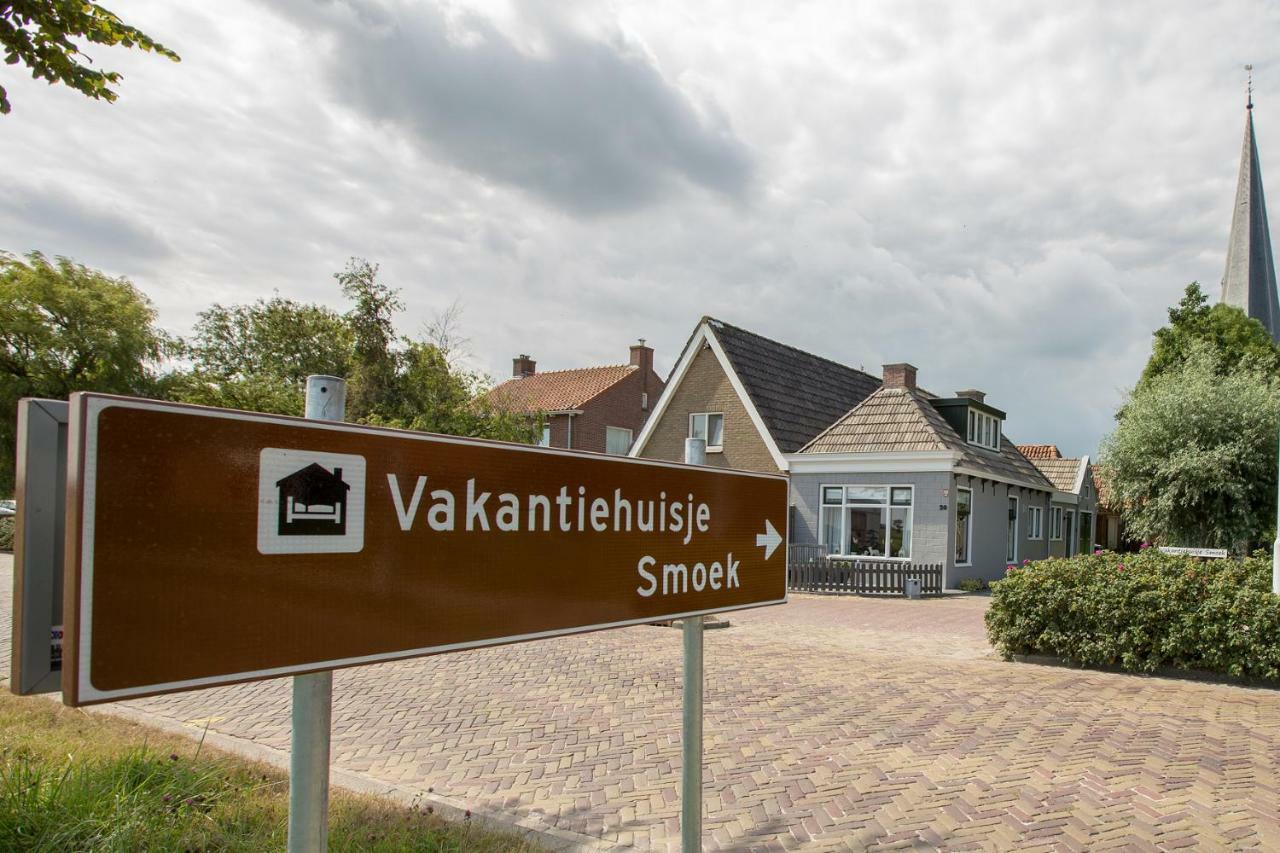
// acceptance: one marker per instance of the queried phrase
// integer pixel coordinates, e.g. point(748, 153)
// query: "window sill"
point(719, 449)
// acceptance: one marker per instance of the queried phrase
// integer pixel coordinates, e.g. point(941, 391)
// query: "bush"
point(6, 533)
point(972, 584)
point(1140, 612)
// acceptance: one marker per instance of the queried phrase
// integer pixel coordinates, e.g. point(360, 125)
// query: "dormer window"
point(984, 429)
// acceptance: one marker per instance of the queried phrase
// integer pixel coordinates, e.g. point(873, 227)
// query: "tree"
point(65, 327)
point(1193, 459)
point(372, 376)
point(1236, 339)
point(39, 33)
point(257, 356)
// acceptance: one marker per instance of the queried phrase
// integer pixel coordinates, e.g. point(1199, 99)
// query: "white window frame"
point(984, 429)
point(711, 448)
point(1073, 542)
point(1035, 523)
point(844, 505)
point(631, 437)
point(968, 533)
point(1055, 524)
point(545, 439)
point(1017, 528)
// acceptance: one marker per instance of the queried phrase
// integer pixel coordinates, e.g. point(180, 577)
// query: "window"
point(984, 429)
point(964, 525)
point(644, 401)
point(617, 440)
point(545, 440)
point(867, 521)
point(1055, 523)
point(1011, 544)
point(710, 426)
point(1035, 522)
point(1068, 532)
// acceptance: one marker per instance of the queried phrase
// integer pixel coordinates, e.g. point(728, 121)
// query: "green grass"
point(71, 780)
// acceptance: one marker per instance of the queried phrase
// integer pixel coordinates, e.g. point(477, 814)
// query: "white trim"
point(968, 534)
point(896, 462)
point(1065, 498)
point(700, 336)
point(1055, 537)
point(95, 404)
point(1084, 466)
point(998, 478)
point(888, 505)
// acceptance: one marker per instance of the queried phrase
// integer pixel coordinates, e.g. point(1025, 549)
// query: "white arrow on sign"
point(769, 540)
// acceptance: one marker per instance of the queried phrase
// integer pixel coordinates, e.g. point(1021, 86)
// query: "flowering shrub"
point(1142, 612)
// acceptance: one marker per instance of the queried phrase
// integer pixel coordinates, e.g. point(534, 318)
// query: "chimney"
point(901, 375)
point(337, 473)
point(642, 356)
point(522, 366)
point(973, 394)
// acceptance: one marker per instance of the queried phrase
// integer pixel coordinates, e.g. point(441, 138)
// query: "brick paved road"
point(830, 724)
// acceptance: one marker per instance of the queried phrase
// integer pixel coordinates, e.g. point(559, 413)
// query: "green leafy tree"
point(39, 34)
point(1236, 339)
point(372, 376)
point(1193, 459)
point(65, 327)
point(257, 356)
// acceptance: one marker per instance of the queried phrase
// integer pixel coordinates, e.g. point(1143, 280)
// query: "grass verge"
point(70, 780)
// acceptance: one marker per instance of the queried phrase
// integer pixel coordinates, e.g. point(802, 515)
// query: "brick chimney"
point(901, 375)
point(642, 356)
point(522, 366)
point(973, 394)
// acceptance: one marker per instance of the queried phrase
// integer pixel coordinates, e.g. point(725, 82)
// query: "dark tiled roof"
point(797, 394)
point(897, 420)
point(557, 390)
point(1063, 473)
point(1040, 451)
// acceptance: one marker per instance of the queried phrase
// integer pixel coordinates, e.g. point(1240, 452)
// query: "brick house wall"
point(706, 388)
point(617, 406)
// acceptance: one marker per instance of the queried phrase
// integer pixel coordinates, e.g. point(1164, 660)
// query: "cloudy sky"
point(1008, 195)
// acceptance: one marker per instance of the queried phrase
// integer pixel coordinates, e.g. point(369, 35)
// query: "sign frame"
point(86, 409)
point(38, 544)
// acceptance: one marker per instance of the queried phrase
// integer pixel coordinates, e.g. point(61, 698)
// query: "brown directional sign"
point(207, 546)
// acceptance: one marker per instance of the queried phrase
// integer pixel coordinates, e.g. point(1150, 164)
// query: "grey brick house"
point(1074, 512)
point(879, 468)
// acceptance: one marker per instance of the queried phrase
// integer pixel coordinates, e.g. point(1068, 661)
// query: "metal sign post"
point(695, 453)
point(313, 692)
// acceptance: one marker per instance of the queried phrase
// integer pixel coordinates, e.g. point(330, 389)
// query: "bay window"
point(867, 521)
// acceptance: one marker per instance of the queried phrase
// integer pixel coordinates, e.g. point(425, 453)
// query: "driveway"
point(831, 723)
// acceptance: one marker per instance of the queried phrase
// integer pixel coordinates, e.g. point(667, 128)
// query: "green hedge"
point(6, 533)
point(1141, 612)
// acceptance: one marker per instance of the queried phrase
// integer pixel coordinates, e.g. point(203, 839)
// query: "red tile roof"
point(557, 390)
point(1040, 451)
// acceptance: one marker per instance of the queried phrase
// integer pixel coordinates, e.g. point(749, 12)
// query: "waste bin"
point(911, 586)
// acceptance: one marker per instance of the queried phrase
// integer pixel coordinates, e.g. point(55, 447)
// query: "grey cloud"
point(57, 221)
point(588, 125)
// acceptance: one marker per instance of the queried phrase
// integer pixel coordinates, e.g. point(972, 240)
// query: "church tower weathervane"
point(1249, 282)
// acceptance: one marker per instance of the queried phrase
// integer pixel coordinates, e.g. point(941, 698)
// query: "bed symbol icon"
point(313, 502)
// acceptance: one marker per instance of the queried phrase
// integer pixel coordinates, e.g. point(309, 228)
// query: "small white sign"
point(309, 502)
point(1216, 553)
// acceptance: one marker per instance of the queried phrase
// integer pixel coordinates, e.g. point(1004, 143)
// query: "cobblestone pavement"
point(830, 724)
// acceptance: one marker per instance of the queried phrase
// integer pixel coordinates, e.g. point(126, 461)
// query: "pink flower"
point(1120, 568)
point(1026, 562)
point(1097, 551)
point(1008, 569)
point(1144, 546)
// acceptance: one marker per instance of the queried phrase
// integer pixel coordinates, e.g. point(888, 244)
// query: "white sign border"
point(96, 404)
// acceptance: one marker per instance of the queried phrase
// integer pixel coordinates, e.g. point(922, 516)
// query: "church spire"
point(1250, 279)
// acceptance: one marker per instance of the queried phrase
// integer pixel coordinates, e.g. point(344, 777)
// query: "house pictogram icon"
point(313, 502)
